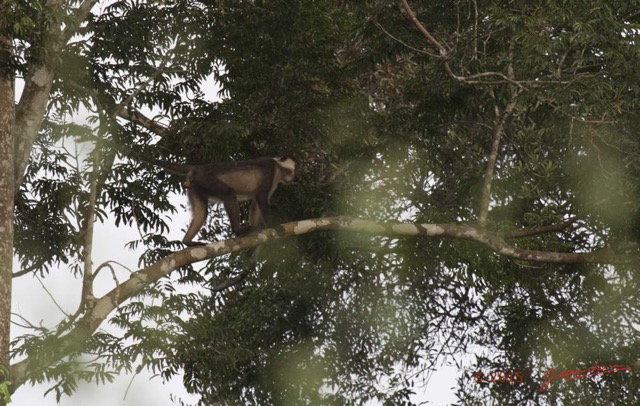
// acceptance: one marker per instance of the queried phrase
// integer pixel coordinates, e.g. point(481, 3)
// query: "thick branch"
point(7, 203)
point(139, 280)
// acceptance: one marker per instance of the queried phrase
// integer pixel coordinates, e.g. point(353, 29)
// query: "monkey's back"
point(244, 177)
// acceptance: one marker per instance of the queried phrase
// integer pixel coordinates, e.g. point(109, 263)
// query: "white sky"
point(31, 301)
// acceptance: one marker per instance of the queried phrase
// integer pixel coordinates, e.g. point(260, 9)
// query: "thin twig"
point(51, 296)
point(401, 41)
point(107, 264)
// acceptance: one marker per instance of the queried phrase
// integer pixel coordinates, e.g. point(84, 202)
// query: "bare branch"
point(109, 265)
point(26, 324)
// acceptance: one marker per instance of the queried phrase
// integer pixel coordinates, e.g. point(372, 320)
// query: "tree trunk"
point(7, 192)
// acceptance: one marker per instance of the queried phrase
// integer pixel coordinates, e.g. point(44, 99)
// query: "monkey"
point(254, 180)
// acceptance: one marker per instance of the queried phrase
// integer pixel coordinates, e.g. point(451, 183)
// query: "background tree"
point(510, 126)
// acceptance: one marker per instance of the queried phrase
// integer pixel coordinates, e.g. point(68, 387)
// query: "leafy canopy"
point(385, 128)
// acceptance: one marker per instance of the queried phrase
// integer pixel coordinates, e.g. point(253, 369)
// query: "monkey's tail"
point(176, 169)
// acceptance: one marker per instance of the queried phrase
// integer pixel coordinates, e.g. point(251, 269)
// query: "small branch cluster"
point(444, 55)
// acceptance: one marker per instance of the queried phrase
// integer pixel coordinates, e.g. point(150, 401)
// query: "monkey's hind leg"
point(200, 208)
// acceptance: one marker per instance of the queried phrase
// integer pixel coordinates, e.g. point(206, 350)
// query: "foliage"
point(4, 385)
point(25, 22)
point(383, 131)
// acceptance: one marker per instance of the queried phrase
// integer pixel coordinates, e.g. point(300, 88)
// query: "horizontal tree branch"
point(102, 308)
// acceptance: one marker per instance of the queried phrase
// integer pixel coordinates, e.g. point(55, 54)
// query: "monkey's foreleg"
point(232, 208)
point(256, 220)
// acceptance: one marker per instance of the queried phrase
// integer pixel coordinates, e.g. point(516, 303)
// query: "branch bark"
point(139, 280)
point(7, 188)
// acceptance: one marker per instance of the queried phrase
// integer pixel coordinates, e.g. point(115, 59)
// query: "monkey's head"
point(287, 166)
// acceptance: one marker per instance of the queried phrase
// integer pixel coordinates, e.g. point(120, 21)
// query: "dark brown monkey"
point(230, 183)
